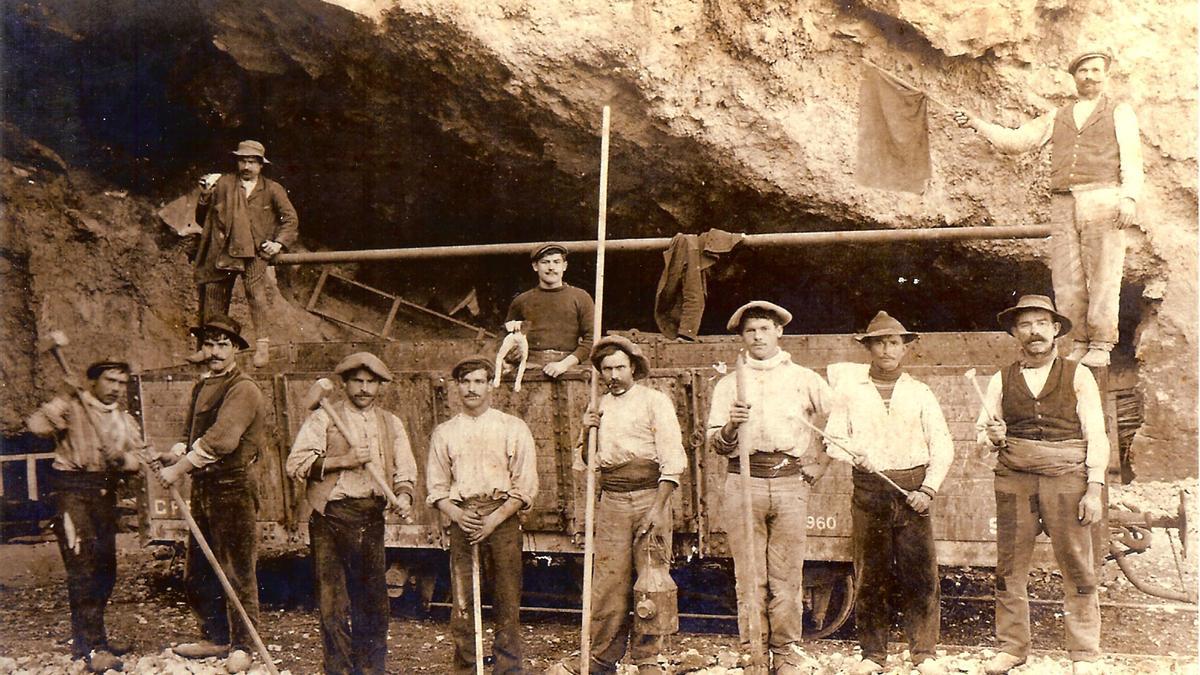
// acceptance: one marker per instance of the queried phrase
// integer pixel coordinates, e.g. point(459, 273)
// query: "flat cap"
point(883, 324)
point(606, 345)
point(541, 250)
point(94, 370)
point(784, 316)
point(1090, 53)
point(364, 360)
point(470, 364)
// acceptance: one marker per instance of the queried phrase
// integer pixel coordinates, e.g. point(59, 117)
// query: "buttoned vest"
point(1087, 155)
point(204, 414)
point(1050, 416)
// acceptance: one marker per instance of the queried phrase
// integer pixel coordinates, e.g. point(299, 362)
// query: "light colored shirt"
point(1087, 406)
point(1037, 132)
point(85, 436)
point(248, 186)
point(641, 424)
point(910, 432)
point(780, 394)
point(363, 426)
point(491, 456)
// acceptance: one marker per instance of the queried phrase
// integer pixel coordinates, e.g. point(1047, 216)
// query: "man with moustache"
point(1096, 179)
point(481, 471)
point(888, 421)
point(247, 220)
point(95, 441)
point(786, 458)
point(555, 316)
point(227, 428)
point(346, 526)
point(640, 455)
point(1043, 416)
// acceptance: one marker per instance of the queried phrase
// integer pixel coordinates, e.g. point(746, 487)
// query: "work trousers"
point(89, 501)
point(893, 553)
point(348, 552)
point(225, 511)
point(618, 554)
point(216, 296)
point(1087, 259)
point(1027, 504)
point(500, 563)
point(775, 552)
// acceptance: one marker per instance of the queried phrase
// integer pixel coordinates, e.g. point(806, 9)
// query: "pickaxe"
point(970, 375)
point(54, 343)
point(852, 453)
point(315, 398)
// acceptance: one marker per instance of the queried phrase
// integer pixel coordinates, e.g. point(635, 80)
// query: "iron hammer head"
point(54, 340)
point(316, 393)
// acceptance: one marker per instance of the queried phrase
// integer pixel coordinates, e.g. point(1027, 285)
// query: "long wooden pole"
point(852, 453)
point(753, 612)
point(477, 607)
point(589, 518)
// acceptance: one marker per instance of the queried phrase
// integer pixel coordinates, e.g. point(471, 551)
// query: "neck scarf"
point(880, 375)
point(780, 357)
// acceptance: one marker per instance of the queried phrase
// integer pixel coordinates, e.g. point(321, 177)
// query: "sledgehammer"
point(315, 398)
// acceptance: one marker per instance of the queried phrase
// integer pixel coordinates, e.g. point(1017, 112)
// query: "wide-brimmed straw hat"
point(882, 325)
point(735, 321)
point(367, 360)
point(252, 149)
point(605, 345)
point(226, 325)
point(1008, 316)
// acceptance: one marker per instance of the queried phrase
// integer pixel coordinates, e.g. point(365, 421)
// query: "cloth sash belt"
point(81, 481)
point(355, 510)
point(767, 465)
point(909, 479)
point(541, 357)
point(636, 474)
point(481, 505)
point(228, 476)
point(1045, 458)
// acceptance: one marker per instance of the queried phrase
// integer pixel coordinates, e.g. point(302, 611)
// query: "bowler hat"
point(96, 369)
point(883, 324)
point(252, 149)
point(364, 360)
point(605, 346)
point(1090, 53)
point(226, 325)
point(735, 321)
point(1006, 318)
point(545, 249)
point(470, 364)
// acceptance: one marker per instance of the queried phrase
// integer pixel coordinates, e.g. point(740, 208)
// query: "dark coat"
point(235, 225)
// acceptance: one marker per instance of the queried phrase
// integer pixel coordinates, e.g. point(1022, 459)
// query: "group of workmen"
point(1041, 415)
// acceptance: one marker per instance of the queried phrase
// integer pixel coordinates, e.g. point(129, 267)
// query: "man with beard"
point(640, 455)
point(1043, 416)
point(556, 316)
point(95, 441)
point(226, 430)
point(1095, 180)
point(346, 526)
point(247, 220)
point(892, 423)
point(785, 460)
point(481, 471)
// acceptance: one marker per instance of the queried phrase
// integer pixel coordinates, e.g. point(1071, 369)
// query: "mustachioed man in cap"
point(554, 315)
point(481, 472)
point(1096, 179)
point(347, 523)
point(95, 440)
point(891, 423)
point(785, 459)
point(1043, 417)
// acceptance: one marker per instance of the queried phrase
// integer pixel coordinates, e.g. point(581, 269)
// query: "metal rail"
point(659, 243)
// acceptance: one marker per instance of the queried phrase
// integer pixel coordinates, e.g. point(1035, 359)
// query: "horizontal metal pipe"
point(659, 243)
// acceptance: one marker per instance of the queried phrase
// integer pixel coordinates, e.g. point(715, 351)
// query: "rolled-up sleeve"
point(522, 464)
point(439, 476)
point(1091, 417)
point(404, 472)
point(1033, 134)
point(237, 412)
point(668, 441)
point(308, 446)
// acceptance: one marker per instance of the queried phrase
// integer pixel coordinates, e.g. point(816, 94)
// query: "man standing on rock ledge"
point(1095, 181)
point(1042, 415)
point(247, 220)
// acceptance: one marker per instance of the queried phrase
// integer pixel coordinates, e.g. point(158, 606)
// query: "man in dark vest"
point(1043, 416)
point(1095, 181)
point(345, 529)
point(226, 429)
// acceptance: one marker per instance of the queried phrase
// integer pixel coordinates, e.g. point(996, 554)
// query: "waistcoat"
point(1087, 155)
point(200, 419)
point(1052, 415)
point(317, 491)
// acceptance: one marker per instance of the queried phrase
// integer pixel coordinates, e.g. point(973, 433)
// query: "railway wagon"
point(423, 395)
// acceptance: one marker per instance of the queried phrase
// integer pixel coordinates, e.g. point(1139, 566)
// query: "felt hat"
point(252, 149)
point(1090, 53)
point(472, 363)
point(96, 369)
point(883, 324)
point(547, 248)
point(226, 325)
point(1008, 316)
point(364, 360)
point(785, 317)
point(604, 346)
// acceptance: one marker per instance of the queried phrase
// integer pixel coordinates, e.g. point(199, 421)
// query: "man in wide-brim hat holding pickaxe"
point(340, 454)
point(1042, 414)
point(225, 431)
point(95, 441)
point(886, 422)
point(763, 412)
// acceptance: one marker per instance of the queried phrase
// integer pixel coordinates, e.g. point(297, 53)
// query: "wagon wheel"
point(828, 599)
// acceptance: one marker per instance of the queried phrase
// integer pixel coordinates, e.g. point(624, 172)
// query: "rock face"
point(420, 121)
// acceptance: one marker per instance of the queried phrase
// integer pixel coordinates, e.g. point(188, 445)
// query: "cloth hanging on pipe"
point(679, 300)
point(893, 134)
